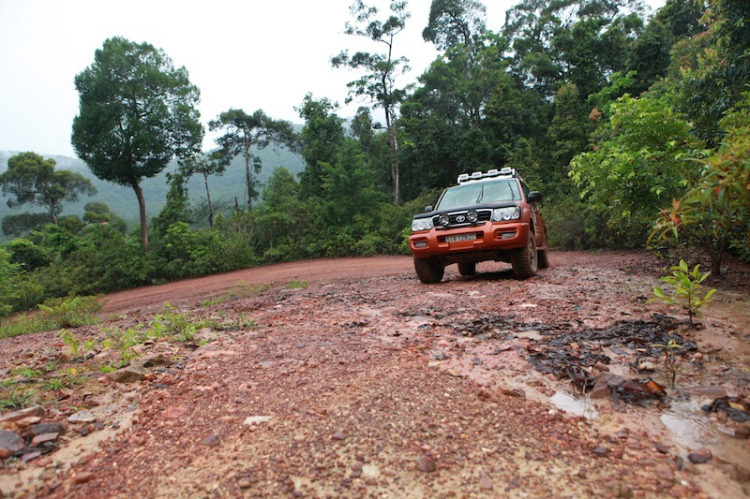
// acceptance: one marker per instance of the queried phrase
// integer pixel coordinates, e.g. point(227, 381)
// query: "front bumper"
point(491, 236)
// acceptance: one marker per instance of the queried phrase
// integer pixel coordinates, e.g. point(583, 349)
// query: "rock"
point(647, 366)
point(455, 373)
point(44, 438)
point(623, 433)
point(9, 420)
point(602, 367)
point(339, 435)
point(512, 392)
point(253, 420)
point(601, 451)
point(82, 477)
point(11, 442)
point(173, 412)
point(486, 484)
point(604, 385)
point(129, 374)
point(82, 417)
point(426, 464)
point(51, 427)
point(211, 441)
point(741, 431)
point(4, 453)
point(155, 360)
point(660, 447)
point(701, 456)
point(665, 473)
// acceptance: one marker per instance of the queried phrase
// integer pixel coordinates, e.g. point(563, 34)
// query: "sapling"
point(686, 290)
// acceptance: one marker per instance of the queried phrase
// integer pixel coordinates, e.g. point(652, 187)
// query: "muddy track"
point(366, 383)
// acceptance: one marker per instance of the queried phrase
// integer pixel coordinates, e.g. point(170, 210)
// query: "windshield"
point(480, 192)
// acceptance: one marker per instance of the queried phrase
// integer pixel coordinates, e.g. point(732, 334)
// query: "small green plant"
point(671, 360)
point(16, 399)
point(28, 373)
point(53, 385)
point(686, 290)
point(70, 312)
point(70, 340)
point(297, 285)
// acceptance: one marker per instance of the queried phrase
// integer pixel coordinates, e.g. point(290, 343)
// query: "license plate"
point(460, 237)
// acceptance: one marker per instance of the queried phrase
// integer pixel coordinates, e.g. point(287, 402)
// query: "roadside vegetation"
point(635, 127)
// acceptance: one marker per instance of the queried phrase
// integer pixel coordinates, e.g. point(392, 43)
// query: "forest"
point(635, 128)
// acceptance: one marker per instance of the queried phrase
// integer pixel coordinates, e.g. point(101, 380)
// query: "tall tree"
point(454, 21)
point(378, 84)
point(243, 131)
point(206, 165)
point(31, 179)
point(320, 139)
point(137, 111)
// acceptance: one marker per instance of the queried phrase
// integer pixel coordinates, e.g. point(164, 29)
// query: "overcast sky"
point(246, 54)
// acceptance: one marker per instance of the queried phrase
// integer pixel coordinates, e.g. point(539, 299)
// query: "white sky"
point(247, 54)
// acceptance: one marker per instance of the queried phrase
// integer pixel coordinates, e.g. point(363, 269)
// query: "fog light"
point(507, 235)
point(472, 217)
point(444, 220)
point(420, 244)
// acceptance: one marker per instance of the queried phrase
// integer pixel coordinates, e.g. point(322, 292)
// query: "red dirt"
point(367, 383)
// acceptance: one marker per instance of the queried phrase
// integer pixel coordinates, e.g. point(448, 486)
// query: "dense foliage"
point(634, 127)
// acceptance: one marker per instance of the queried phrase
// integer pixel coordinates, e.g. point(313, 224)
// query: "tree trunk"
point(208, 200)
point(248, 177)
point(390, 126)
point(142, 208)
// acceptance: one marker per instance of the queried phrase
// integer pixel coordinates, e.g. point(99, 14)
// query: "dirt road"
point(349, 378)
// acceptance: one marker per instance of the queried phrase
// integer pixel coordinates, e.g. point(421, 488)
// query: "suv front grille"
point(458, 219)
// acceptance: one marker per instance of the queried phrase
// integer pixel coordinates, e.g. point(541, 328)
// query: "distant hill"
point(121, 200)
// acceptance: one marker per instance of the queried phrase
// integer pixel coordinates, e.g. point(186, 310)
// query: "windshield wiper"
point(481, 195)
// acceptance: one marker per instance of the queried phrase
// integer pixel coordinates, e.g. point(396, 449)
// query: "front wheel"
point(525, 262)
point(429, 270)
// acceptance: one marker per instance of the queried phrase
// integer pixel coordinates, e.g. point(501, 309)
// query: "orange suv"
point(487, 216)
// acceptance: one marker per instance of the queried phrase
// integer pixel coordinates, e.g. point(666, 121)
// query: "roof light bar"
point(504, 172)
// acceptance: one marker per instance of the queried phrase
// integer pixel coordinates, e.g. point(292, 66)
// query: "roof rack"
point(504, 172)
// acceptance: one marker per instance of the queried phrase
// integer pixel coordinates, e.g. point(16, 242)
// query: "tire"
point(543, 258)
point(467, 268)
point(525, 261)
point(429, 270)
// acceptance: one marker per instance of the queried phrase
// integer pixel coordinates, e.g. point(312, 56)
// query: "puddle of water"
point(573, 405)
point(689, 425)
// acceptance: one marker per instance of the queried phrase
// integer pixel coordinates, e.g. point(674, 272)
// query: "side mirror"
point(534, 197)
point(427, 209)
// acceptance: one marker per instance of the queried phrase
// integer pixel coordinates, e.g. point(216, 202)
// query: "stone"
point(44, 438)
point(211, 441)
point(29, 412)
point(50, 427)
point(512, 392)
point(11, 441)
point(82, 477)
point(155, 360)
point(130, 374)
point(339, 435)
point(604, 385)
point(701, 456)
point(486, 484)
point(601, 451)
point(660, 447)
point(253, 420)
point(426, 464)
point(82, 417)
point(704, 392)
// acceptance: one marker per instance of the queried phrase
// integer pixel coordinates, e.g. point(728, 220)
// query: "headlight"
point(444, 220)
point(511, 213)
point(420, 224)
